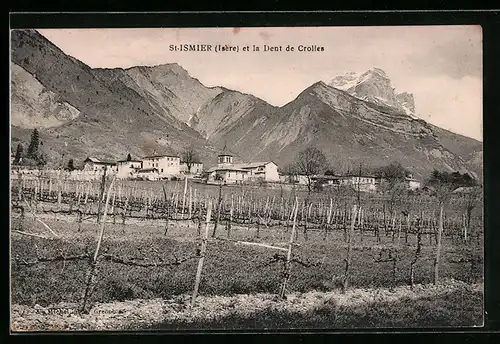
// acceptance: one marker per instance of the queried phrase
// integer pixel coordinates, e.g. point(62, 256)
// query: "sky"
point(440, 65)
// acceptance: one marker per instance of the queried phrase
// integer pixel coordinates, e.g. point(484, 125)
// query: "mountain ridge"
point(148, 108)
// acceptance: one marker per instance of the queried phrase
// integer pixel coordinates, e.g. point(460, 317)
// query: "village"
point(158, 167)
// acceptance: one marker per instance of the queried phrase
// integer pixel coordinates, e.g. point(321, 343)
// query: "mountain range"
point(108, 113)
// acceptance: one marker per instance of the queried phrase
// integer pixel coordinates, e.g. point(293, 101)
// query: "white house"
point(326, 180)
point(412, 183)
point(228, 175)
point(127, 168)
point(196, 168)
point(146, 174)
point(293, 179)
point(96, 165)
point(267, 171)
point(365, 183)
point(167, 165)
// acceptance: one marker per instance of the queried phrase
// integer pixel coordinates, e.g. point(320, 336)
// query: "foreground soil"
point(450, 303)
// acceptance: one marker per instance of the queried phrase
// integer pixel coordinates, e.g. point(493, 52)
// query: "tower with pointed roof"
point(225, 158)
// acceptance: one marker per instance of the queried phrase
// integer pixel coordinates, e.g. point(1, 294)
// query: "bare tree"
point(310, 162)
point(290, 171)
point(393, 183)
point(190, 157)
point(443, 184)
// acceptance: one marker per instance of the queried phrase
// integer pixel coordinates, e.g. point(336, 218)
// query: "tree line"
point(33, 156)
point(312, 161)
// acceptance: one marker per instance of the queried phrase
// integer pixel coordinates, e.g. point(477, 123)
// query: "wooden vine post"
point(438, 245)
point(347, 260)
point(203, 249)
point(101, 195)
point(230, 217)
point(166, 209)
point(418, 251)
point(217, 218)
point(289, 254)
point(93, 262)
point(184, 197)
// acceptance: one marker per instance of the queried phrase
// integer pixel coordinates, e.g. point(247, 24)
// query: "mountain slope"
point(226, 111)
point(347, 129)
point(34, 105)
point(173, 89)
point(82, 111)
point(114, 118)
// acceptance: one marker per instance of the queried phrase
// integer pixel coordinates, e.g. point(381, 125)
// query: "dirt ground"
point(143, 314)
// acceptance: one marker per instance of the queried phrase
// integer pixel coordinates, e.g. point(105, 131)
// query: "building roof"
point(253, 164)
point(354, 175)
point(228, 168)
point(411, 179)
point(133, 160)
point(99, 161)
point(225, 151)
point(326, 177)
point(161, 156)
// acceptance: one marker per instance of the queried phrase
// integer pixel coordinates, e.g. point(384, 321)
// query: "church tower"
point(225, 158)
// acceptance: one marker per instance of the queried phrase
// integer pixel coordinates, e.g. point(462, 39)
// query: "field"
point(154, 239)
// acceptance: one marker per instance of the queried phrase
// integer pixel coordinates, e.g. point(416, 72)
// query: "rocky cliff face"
point(375, 86)
point(35, 106)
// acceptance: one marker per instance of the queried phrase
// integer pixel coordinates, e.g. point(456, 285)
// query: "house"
point(97, 165)
point(293, 179)
point(326, 180)
point(228, 175)
point(267, 171)
point(127, 168)
point(168, 165)
point(196, 168)
point(412, 183)
point(364, 183)
point(226, 172)
point(146, 174)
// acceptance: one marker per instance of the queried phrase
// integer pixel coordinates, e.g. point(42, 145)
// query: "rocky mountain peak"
point(346, 81)
point(407, 102)
point(374, 85)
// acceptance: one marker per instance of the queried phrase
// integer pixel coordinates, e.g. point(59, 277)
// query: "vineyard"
point(86, 242)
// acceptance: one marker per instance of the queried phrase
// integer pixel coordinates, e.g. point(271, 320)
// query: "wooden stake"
point(190, 202)
point(184, 197)
point(230, 218)
point(289, 254)
point(94, 259)
point(347, 260)
point(202, 254)
point(438, 246)
point(101, 195)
